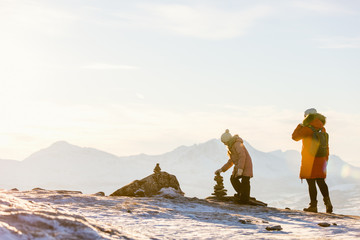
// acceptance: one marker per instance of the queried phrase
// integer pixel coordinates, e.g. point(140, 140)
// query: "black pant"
point(242, 188)
point(312, 188)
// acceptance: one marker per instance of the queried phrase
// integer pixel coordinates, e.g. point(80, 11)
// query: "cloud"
point(339, 42)
point(105, 66)
point(35, 17)
point(198, 21)
point(324, 7)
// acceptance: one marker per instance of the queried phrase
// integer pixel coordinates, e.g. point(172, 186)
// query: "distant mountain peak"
point(62, 151)
point(61, 144)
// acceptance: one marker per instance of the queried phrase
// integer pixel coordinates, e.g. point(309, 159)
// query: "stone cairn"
point(157, 168)
point(219, 190)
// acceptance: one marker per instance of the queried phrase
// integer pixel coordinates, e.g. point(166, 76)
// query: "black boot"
point(312, 207)
point(245, 193)
point(329, 207)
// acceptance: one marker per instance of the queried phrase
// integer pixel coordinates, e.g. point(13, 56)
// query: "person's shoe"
point(242, 201)
point(237, 195)
point(312, 207)
point(329, 207)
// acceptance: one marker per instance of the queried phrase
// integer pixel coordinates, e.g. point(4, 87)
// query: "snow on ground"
point(44, 214)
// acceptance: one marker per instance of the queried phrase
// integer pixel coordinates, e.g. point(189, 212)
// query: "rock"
point(274, 228)
point(57, 191)
point(245, 221)
point(287, 208)
point(324, 224)
point(102, 194)
point(149, 186)
point(68, 192)
point(15, 189)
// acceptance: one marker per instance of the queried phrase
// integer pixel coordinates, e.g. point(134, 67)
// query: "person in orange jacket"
point(241, 160)
point(313, 168)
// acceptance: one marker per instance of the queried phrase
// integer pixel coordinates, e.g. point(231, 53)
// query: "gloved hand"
point(218, 171)
point(239, 172)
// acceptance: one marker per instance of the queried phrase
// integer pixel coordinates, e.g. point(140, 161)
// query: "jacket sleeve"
point(301, 132)
point(328, 150)
point(227, 165)
point(239, 148)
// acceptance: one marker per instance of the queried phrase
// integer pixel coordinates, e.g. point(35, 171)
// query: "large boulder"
point(149, 186)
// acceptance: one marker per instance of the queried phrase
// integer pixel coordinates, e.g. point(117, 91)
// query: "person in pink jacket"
point(241, 160)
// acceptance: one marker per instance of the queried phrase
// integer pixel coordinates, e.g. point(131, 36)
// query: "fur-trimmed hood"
point(234, 139)
point(316, 119)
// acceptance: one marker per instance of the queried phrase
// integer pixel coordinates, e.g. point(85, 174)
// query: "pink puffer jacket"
point(240, 157)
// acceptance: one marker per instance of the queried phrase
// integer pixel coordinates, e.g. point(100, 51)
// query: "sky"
point(131, 77)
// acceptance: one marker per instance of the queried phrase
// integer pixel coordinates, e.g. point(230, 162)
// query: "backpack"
point(320, 142)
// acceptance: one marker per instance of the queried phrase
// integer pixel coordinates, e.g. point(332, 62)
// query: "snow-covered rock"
point(30, 219)
point(45, 214)
point(170, 192)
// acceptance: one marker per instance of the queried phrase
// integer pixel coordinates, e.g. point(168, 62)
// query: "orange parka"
point(239, 156)
point(311, 166)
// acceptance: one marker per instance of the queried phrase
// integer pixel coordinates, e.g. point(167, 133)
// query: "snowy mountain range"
point(66, 166)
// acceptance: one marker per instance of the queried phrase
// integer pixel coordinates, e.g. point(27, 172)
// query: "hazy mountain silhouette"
point(66, 166)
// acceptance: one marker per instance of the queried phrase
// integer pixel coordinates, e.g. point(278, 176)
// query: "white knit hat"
point(226, 136)
point(310, 111)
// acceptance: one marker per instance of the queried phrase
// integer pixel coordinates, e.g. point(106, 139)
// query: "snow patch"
point(170, 193)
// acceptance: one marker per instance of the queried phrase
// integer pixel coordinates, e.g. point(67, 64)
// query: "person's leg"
point(325, 192)
point(323, 187)
point(313, 195)
point(245, 194)
point(312, 189)
point(235, 182)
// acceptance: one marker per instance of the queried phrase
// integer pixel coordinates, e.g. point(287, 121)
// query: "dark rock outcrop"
point(149, 186)
point(274, 228)
point(68, 192)
point(102, 194)
point(324, 224)
point(57, 191)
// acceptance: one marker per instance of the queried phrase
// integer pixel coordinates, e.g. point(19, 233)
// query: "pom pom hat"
point(310, 111)
point(226, 136)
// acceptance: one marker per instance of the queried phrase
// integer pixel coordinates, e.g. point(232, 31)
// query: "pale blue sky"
point(133, 77)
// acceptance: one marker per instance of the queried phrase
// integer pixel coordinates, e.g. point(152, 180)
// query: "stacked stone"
point(219, 190)
point(157, 168)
